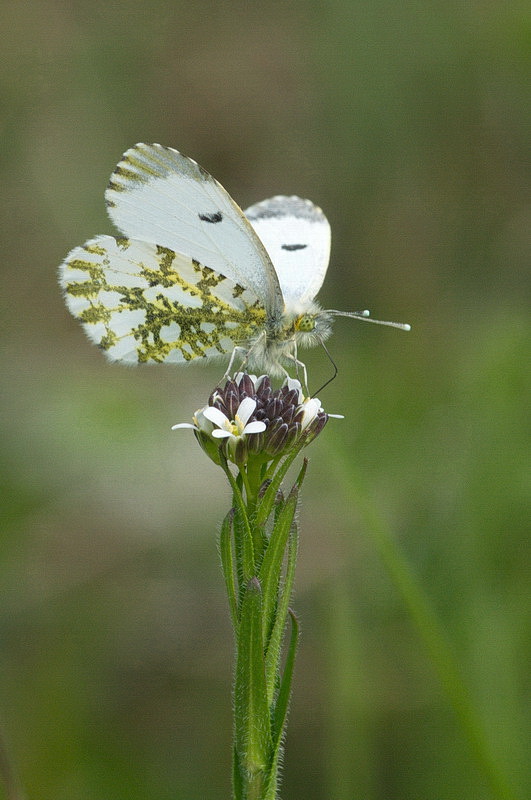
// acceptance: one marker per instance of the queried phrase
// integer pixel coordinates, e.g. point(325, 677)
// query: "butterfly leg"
point(237, 349)
point(302, 366)
point(248, 353)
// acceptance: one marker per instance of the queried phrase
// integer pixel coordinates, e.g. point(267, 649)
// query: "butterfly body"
point(282, 339)
point(193, 276)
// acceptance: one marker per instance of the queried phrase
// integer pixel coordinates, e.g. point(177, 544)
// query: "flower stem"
point(260, 610)
point(247, 545)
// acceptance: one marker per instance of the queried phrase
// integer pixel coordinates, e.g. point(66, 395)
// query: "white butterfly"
point(194, 276)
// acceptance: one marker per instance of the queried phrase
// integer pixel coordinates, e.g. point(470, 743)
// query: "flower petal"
point(216, 416)
point(240, 375)
point(218, 433)
point(201, 421)
point(254, 427)
point(246, 410)
point(293, 383)
point(184, 425)
point(310, 410)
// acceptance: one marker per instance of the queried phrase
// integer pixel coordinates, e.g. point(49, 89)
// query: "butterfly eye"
point(305, 323)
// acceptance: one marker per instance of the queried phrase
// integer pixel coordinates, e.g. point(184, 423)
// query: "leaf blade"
point(252, 718)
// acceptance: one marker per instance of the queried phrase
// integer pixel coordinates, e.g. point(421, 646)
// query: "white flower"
point(293, 383)
point(200, 423)
point(310, 408)
point(228, 429)
point(211, 424)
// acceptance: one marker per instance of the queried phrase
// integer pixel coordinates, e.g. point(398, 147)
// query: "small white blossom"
point(310, 409)
point(201, 422)
point(211, 426)
point(228, 429)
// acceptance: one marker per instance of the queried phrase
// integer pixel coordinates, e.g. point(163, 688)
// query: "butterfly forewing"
point(141, 302)
point(158, 195)
point(296, 235)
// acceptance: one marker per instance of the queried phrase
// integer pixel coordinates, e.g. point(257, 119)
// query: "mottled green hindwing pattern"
point(144, 303)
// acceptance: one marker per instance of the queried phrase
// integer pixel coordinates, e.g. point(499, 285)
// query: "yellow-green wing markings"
point(156, 194)
point(142, 163)
point(144, 303)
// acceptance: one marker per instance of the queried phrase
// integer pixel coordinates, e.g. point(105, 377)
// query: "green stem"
point(267, 501)
point(252, 716)
point(255, 790)
point(248, 490)
point(247, 549)
point(261, 692)
point(253, 482)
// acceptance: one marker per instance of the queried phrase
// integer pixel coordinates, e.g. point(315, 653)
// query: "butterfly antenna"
point(366, 317)
point(334, 366)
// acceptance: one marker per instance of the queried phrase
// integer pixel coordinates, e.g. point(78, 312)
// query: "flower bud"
point(247, 419)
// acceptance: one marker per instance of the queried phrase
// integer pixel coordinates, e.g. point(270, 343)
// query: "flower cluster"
point(248, 418)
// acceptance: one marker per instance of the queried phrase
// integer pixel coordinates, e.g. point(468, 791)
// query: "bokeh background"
point(407, 123)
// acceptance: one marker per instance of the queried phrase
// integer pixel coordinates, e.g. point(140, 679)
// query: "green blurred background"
point(407, 124)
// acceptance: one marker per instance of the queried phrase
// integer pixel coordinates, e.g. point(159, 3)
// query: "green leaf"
point(237, 782)
point(281, 708)
point(227, 563)
point(271, 566)
point(246, 562)
point(266, 503)
point(252, 718)
point(277, 634)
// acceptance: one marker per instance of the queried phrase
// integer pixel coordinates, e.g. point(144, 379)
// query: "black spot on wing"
point(216, 216)
point(292, 247)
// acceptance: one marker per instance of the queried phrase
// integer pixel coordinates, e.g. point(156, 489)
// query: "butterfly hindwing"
point(141, 302)
point(158, 195)
point(296, 234)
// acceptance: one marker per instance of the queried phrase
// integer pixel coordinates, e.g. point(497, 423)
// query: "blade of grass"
point(428, 625)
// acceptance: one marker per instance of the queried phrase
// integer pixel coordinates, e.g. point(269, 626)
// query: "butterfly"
point(193, 276)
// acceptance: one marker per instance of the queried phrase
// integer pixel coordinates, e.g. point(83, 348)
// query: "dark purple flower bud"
point(294, 431)
point(255, 442)
point(299, 415)
point(264, 390)
point(246, 385)
point(274, 425)
point(288, 414)
point(232, 401)
point(273, 408)
point(276, 442)
point(291, 397)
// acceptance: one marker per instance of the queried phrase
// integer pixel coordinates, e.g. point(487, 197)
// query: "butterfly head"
point(305, 323)
point(312, 326)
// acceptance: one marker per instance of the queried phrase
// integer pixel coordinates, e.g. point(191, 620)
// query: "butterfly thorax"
point(286, 334)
